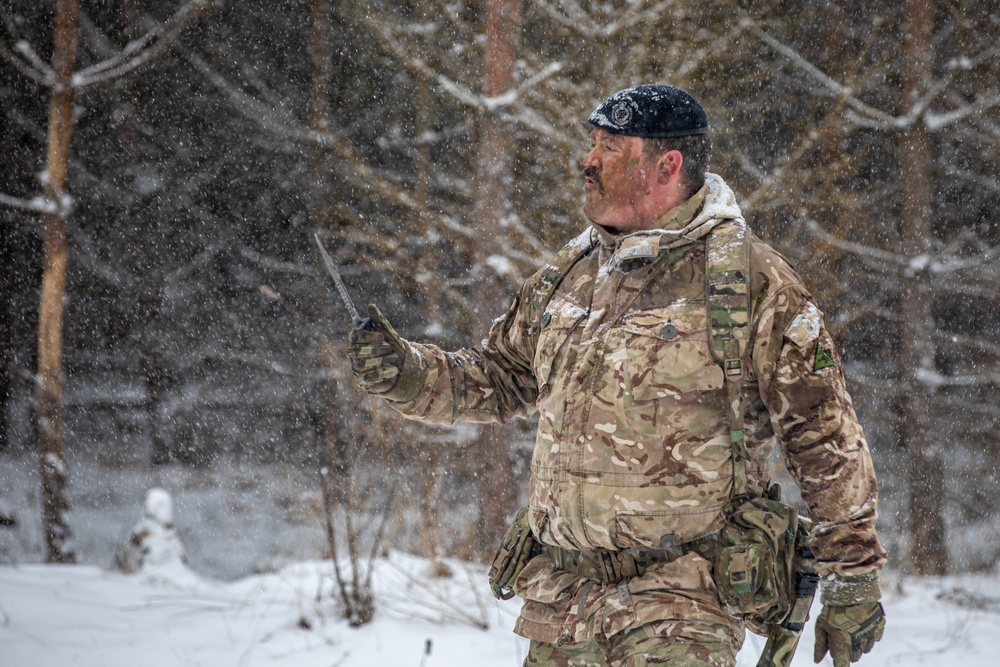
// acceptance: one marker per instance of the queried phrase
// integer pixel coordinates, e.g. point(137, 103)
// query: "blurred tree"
point(200, 317)
point(878, 182)
point(928, 553)
point(63, 80)
point(492, 215)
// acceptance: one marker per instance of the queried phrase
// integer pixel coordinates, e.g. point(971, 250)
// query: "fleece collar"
point(681, 225)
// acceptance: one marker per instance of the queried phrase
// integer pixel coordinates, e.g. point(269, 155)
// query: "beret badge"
point(621, 115)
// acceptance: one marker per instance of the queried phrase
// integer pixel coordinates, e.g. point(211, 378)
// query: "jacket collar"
point(681, 225)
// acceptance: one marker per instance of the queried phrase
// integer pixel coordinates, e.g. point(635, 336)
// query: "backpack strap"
point(553, 273)
point(727, 271)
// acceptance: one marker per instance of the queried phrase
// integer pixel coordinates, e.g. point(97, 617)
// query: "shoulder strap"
point(727, 271)
point(554, 272)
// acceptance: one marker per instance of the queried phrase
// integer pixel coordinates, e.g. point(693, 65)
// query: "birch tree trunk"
point(927, 552)
point(58, 539)
point(492, 210)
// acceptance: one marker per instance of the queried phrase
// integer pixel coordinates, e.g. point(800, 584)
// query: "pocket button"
point(668, 331)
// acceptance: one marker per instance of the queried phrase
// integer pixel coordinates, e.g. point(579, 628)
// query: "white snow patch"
point(501, 265)
point(806, 326)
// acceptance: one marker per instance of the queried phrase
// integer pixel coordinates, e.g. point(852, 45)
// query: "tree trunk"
point(58, 540)
point(498, 495)
point(132, 101)
point(928, 553)
point(6, 342)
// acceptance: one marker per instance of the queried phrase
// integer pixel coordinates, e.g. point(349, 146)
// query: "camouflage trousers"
point(660, 643)
point(670, 613)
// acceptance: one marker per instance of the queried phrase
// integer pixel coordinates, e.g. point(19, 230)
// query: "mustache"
point(594, 174)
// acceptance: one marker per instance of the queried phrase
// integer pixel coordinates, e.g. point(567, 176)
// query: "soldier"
point(637, 458)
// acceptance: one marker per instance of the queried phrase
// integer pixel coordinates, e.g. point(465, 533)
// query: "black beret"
point(651, 111)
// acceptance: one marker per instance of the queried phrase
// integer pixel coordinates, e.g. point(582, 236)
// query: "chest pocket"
point(557, 325)
point(667, 360)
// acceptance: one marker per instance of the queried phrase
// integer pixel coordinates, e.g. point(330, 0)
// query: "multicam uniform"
point(633, 447)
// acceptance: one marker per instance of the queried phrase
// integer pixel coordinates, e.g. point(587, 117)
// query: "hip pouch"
point(755, 571)
point(516, 549)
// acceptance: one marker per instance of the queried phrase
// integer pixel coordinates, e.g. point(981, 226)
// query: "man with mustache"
point(657, 409)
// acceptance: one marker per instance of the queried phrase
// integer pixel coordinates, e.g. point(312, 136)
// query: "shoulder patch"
point(805, 328)
point(823, 359)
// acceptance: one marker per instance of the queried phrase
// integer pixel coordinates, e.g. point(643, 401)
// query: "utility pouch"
point(755, 571)
point(746, 577)
point(516, 549)
point(783, 638)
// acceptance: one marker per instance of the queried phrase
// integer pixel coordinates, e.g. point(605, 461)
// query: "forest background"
point(164, 166)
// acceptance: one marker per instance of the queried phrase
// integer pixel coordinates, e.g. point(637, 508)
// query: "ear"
point(668, 166)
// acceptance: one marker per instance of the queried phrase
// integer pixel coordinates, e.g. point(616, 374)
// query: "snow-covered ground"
point(81, 615)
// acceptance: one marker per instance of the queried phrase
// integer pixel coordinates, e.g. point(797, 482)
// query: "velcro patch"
point(823, 359)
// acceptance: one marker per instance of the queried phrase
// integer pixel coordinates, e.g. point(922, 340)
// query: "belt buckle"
point(607, 566)
point(614, 566)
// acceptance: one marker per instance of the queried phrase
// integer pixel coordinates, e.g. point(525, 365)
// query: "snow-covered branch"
point(865, 115)
point(528, 117)
point(947, 265)
point(882, 256)
point(694, 58)
point(981, 179)
point(279, 123)
point(461, 93)
point(938, 121)
point(978, 345)
point(831, 84)
point(35, 205)
point(24, 59)
point(538, 77)
point(271, 264)
point(875, 382)
point(140, 51)
point(935, 380)
point(88, 256)
point(571, 15)
point(453, 11)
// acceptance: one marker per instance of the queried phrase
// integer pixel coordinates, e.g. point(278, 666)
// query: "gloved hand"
point(848, 631)
point(382, 362)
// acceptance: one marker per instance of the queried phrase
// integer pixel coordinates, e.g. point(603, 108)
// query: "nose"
point(591, 159)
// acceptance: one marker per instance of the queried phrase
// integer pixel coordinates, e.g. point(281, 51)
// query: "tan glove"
point(383, 363)
point(852, 619)
point(848, 632)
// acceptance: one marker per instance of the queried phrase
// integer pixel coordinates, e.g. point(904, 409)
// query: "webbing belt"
point(612, 567)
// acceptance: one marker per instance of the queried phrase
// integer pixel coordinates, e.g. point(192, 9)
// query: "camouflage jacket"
point(633, 445)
